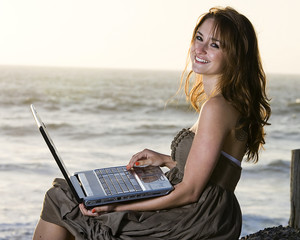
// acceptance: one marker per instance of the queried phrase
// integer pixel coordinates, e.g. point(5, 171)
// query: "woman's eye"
point(199, 38)
point(215, 45)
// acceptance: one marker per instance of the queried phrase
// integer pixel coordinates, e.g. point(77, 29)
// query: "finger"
point(142, 163)
point(87, 212)
point(134, 159)
point(143, 155)
point(138, 163)
point(100, 210)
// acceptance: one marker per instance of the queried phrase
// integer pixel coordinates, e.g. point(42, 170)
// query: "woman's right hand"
point(149, 157)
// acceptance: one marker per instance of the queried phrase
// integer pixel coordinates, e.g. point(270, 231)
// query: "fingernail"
point(93, 210)
point(137, 163)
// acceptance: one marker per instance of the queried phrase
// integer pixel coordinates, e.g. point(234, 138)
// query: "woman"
point(229, 94)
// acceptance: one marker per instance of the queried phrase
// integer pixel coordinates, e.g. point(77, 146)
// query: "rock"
point(275, 233)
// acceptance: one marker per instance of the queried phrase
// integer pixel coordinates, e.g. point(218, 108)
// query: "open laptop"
point(109, 185)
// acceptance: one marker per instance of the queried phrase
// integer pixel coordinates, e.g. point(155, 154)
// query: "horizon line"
point(119, 68)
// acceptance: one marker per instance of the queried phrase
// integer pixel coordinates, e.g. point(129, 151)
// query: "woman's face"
point(206, 54)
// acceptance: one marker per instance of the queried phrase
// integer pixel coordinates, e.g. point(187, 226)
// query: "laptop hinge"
point(85, 184)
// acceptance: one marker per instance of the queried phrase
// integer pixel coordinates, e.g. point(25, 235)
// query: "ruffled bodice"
point(226, 173)
point(180, 147)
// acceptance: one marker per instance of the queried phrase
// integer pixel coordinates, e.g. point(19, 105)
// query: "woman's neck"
point(210, 83)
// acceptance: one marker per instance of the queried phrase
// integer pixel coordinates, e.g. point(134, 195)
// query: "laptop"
point(108, 185)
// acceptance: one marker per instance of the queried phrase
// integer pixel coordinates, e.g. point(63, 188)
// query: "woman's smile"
point(201, 60)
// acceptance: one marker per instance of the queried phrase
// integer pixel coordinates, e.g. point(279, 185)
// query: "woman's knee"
point(47, 231)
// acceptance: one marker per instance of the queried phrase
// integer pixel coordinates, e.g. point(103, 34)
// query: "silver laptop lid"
point(50, 143)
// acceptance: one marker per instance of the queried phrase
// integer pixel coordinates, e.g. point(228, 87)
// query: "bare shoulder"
point(219, 109)
point(219, 104)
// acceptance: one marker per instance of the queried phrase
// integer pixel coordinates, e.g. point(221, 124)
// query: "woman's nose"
point(201, 48)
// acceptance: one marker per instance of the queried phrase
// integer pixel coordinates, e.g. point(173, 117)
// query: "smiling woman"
point(205, 162)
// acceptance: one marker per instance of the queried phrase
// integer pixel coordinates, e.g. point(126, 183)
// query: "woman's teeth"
point(201, 60)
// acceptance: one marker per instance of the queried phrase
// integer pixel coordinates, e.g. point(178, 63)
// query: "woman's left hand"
point(96, 211)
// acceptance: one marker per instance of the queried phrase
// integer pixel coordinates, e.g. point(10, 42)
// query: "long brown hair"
point(243, 81)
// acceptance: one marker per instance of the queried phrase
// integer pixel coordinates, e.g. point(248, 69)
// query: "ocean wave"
point(180, 106)
point(288, 109)
point(11, 101)
point(10, 130)
point(295, 103)
point(158, 126)
point(279, 165)
point(16, 231)
point(28, 130)
point(56, 126)
point(275, 167)
point(37, 168)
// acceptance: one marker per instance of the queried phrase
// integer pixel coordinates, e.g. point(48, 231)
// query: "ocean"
point(101, 117)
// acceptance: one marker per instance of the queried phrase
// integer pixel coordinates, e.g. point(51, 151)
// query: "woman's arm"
point(213, 127)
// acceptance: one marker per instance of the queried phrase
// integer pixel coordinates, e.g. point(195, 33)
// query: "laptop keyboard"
point(117, 180)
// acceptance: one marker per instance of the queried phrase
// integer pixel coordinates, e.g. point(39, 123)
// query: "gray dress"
point(216, 215)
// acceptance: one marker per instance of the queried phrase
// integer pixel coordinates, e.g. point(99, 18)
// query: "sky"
point(135, 34)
